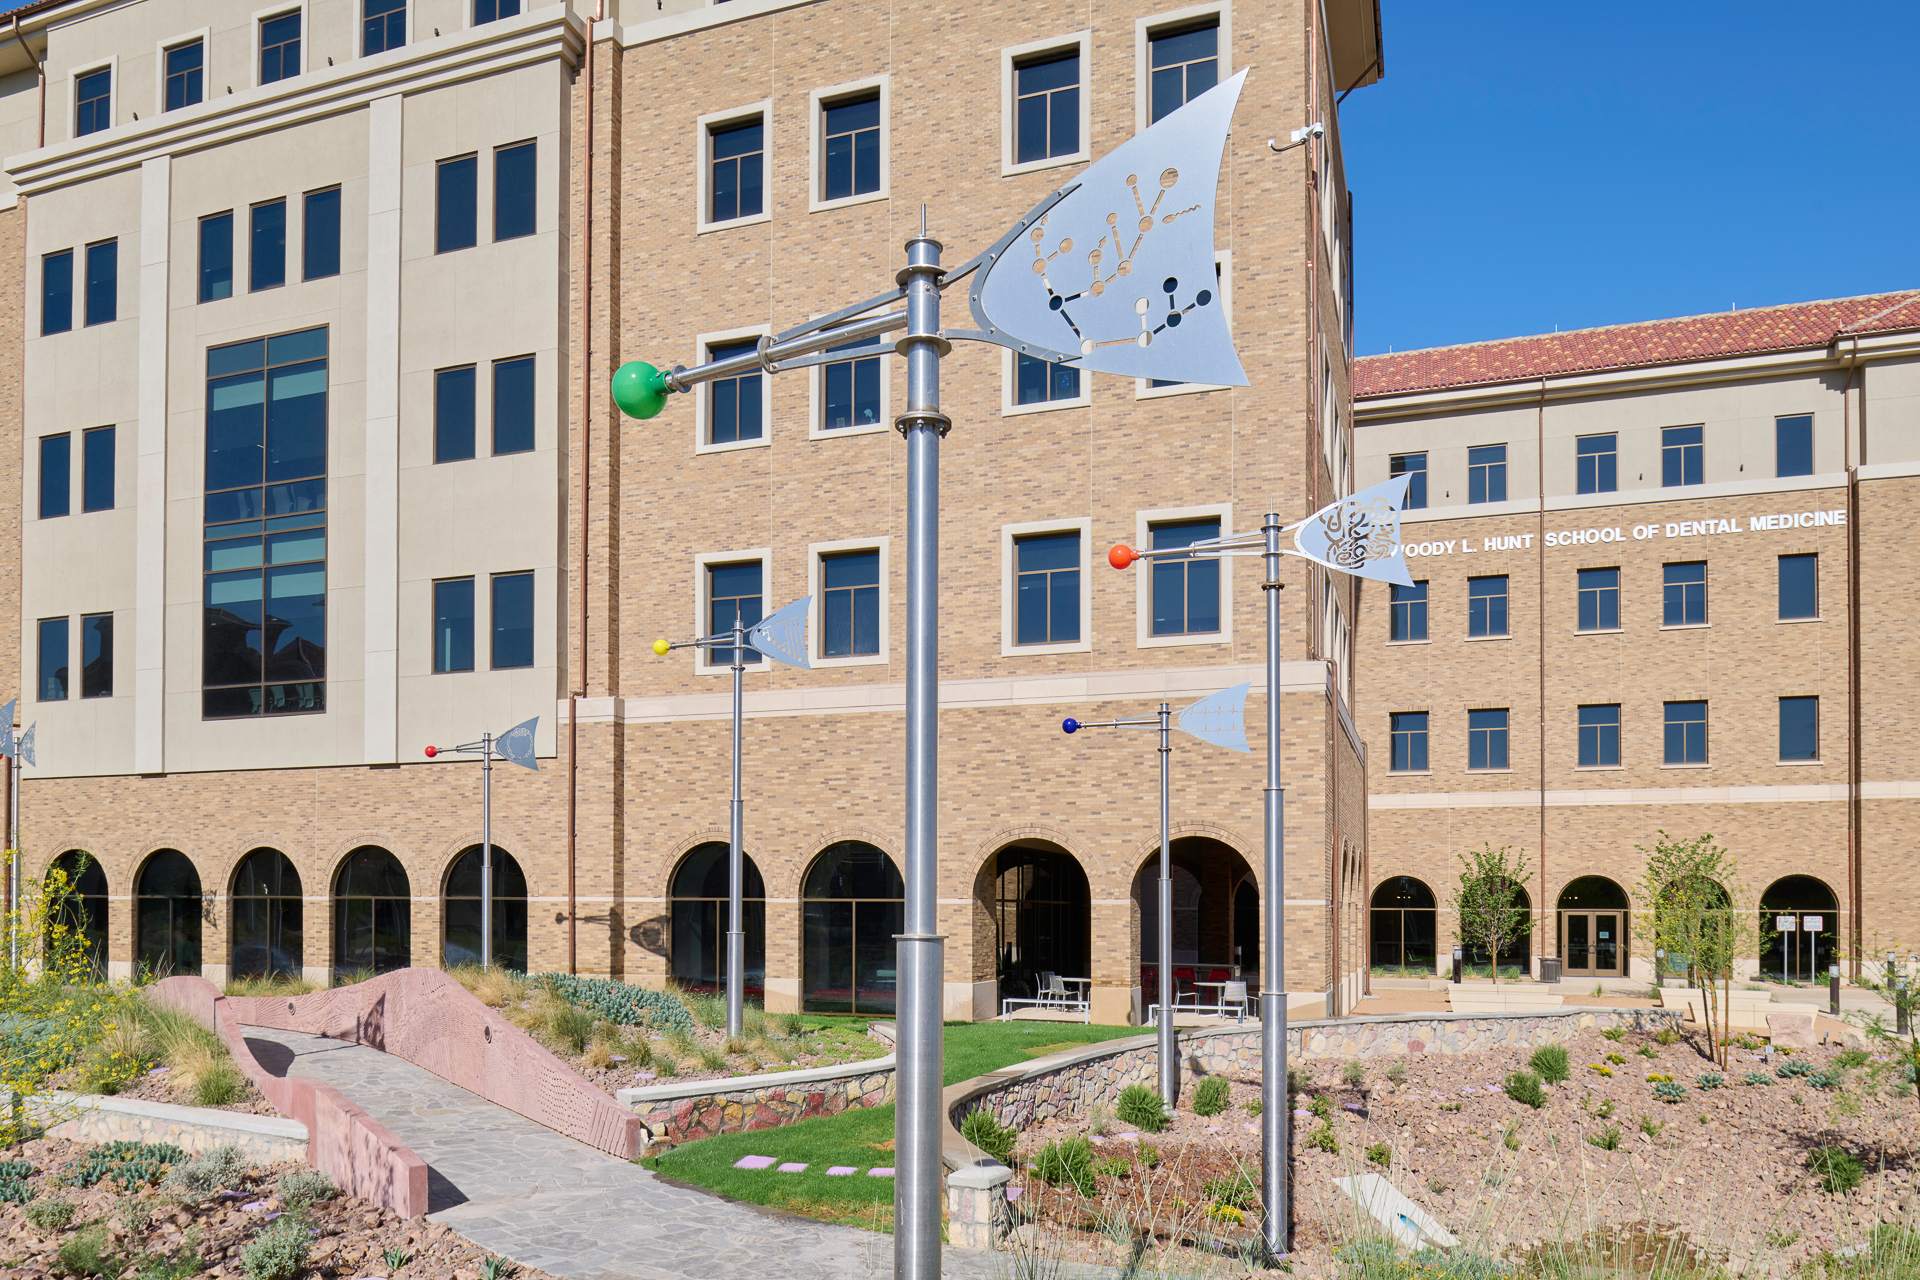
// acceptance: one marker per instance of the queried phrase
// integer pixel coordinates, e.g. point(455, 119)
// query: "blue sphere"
point(1069, 725)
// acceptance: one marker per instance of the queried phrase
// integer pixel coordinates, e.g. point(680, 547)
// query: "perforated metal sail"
point(25, 746)
point(6, 727)
point(516, 744)
point(1118, 275)
point(1360, 534)
point(1219, 718)
point(782, 635)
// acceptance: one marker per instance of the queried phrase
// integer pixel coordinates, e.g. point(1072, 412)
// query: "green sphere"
point(639, 389)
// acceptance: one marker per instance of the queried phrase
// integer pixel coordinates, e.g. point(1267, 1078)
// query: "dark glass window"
point(1597, 461)
point(453, 624)
point(512, 620)
point(852, 909)
point(320, 235)
point(1599, 599)
point(264, 645)
point(56, 292)
point(1487, 739)
point(53, 660)
point(492, 10)
point(372, 914)
point(185, 66)
point(56, 475)
point(1407, 619)
point(852, 388)
point(699, 921)
point(266, 914)
point(103, 282)
point(739, 155)
point(267, 257)
point(514, 206)
point(1686, 733)
point(513, 405)
point(279, 47)
point(1047, 108)
point(1037, 382)
point(93, 102)
point(1793, 446)
point(1599, 736)
point(96, 470)
point(1047, 589)
point(1800, 586)
point(464, 905)
point(453, 414)
point(383, 26)
point(1487, 473)
point(1414, 467)
point(1409, 735)
point(1487, 606)
point(1185, 64)
point(1683, 454)
point(1799, 728)
point(167, 910)
point(851, 148)
point(734, 591)
point(1686, 594)
point(734, 408)
point(1186, 591)
point(96, 655)
point(850, 612)
point(216, 257)
point(456, 212)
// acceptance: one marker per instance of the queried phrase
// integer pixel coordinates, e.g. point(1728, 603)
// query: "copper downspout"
point(579, 682)
point(1540, 630)
point(1855, 862)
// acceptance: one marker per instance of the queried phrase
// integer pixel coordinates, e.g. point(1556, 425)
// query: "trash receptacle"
point(1549, 968)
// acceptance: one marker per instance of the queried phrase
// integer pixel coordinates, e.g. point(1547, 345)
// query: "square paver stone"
point(791, 1167)
point(753, 1162)
point(841, 1170)
point(886, 1172)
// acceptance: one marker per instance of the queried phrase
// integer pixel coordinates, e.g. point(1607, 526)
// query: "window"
point(850, 133)
point(1487, 473)
point(1408, 617)
point(512, 615)
point(1487, 606)
point(1046, 108)
point(1799, 728)
point(96, 655)
point(490, 10)
point(456, 216)
point(93, 102)
point(1793, 445)
point(1047, 589)
point(383, 26)
point(320, 235)
point(56, 292)
point(1682, 455)
point(453, 414)
point(96, 470)
point(103, 282)
point(1599, 736)
point(216, 257)
point(1599, 599)
point(56, 475)
point(735, 406)
point(53, 660)
point(1686, 733)
point(737, 156)
point(514, 170)
point(264, 636)
point(1597, 464)
point(513, 405)
point(267, 253)
point(1186, 591)
point(1409, 731)
point(1686, 595)
point(1487, 739)
point(280, 47)
point(186, 63)
point(1037, 382)
point(851, 388)
point(1185, 64)
point(453, 624)
point(1414, 467)
point(734, 592)
point(1800, 586)
point(850, 604)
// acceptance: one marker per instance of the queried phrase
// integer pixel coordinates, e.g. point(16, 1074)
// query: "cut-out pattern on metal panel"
point(1360, 534)
point(782, 635)
point(516, 744)
point(1219, 718)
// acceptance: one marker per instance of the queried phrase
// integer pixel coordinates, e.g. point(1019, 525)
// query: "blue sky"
point(1531, 165)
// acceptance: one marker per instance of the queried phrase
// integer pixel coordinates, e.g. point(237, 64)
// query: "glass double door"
point(1590, 944)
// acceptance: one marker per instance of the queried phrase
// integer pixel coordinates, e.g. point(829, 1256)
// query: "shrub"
point(1605, 1071)
point(1615, 1034)
point(1836, 1169)
point(1647, 1051)
point(1210, 1098)
point(1669, 1090)
point(571, 1026)
point(220, 1084)
point(1651, 1127)
point(1066, 1163)
point(1793, 1068)
point(1617, 1059)
point(1551, 1062)
point(985, 1132)
point(300, 1191)
point(1711, 1080)
point(1397, 1073)
point(496, 1269)
point(1256, 1107)
point(1826, 1079)
point(1112, 1166)
point(1608, 1139)
point(620, 1002)
point(1321, 1106)
point(1141, 1107)
point(1353, 1075)
point(1851, 1058)
point(1656, 1077)
point(1149, 1155)
point(1324, 1139)
point(1666, 1036)
point(1381, 1154)
point(130, 1164)
point(1605, 1110)
point(279, 1252)
point(1237, 1191)
point(14, 1186)
point(1298, 1081)
point(205, 1174)
point(89, 1253)
point(1524, 1086)
point(50, 1215)
point(1756, 1077)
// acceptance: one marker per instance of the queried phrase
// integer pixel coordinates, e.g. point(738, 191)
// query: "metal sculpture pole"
point(515, 745)
point(1275, 1142)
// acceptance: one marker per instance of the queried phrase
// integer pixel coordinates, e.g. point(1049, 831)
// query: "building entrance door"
point(1590, 941)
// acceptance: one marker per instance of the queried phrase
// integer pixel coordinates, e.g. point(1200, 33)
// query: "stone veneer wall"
point(95, 1119)
point(699, 1109)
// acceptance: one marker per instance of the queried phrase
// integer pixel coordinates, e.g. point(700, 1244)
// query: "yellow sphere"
point(661, 647)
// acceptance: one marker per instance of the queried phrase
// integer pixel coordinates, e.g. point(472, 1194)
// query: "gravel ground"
point(628, 1065)
point(156, 1086)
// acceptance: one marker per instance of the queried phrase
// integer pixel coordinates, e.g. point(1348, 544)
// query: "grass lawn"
point(862, 1137)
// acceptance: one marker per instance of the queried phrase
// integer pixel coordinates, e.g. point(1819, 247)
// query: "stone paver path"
point(544, 1200)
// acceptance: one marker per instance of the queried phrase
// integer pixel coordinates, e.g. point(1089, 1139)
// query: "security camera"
point(1315, 130)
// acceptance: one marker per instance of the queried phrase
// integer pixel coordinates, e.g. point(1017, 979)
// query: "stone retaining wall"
point(97, 1119)
point(702, 1108)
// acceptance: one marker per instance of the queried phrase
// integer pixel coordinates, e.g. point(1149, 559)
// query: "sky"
point(1565, 163)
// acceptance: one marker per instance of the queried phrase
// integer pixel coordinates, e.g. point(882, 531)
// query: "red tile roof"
point(1728, 333)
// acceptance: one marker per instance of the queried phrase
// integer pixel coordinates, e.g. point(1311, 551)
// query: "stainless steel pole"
point(919, 960)
point(1169, 1064)
point(736, 871)
point(486, 851)
point(13, 860)
point(1275, 1146)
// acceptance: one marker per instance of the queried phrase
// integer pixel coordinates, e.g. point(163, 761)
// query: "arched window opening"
point(1514, 955)
point(1799, 930)
point(854, 903)
point(1042, 916)
point(1593, 928)
point(85, 909)
point(167, 911)
point(372, 914)
point(700, 909)
point(267, 938)
point(464, 907)
point(1404, 927)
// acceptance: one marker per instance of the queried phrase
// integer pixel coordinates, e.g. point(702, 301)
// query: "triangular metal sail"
point(782, 635)
point(25, 746)
point(1360, 534)
point(7, 747)
point(1118, 275)
point(516, 744)
point(1219, 718)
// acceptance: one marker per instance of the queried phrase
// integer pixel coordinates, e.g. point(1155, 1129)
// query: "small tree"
point(1487, 901)
point(1899, 985)
point(1701, 916)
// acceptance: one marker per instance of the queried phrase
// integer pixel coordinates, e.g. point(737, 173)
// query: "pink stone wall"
point(739, 1109)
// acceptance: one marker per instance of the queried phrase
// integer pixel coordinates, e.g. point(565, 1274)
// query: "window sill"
point(758, 219)
point(1025, 650)
point(851, 660)
point(1476, 639)
point(1798, 764)
point(844, 202)
point(1184, 638)
point(1704, 764)
point(1142, 391)
point(1051, 162)
point(840, 433)
point(1043, 406)
point(1410, 773)
point(1599, 631)
point(1478, 772)
point(1599, 768)
point(1791, 622)
point(1685, 626)
point(1393, 643)
point(732, 446)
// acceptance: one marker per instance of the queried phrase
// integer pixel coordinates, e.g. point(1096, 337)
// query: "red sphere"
point(1122, 556)
point(432, 752)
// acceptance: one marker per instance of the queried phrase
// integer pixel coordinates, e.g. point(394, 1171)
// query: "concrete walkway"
point(543, 1200)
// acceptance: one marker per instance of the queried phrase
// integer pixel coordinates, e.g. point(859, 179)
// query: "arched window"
point(1042, 914)
point(1403, 922)
point(85, 910)
point(1799, 927)
point(372, 913)
point(855, 904)
point(463, 911)
point(1513, 958)
point(698, 953)
point(266, 917)
point(1593, 928)
point(167, 911)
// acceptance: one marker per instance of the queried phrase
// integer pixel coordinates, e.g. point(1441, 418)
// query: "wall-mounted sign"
point(1621, 533)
